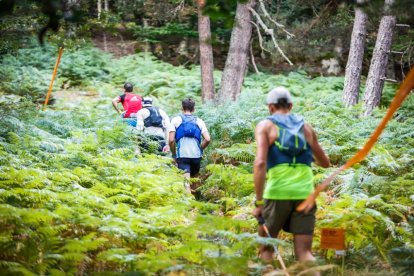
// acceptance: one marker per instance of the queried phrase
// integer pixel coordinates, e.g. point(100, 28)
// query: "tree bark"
point(379, 61)
point(236, 62)
point(355, 58)
point(206, 54)
point(99, 8)
point(106, 5)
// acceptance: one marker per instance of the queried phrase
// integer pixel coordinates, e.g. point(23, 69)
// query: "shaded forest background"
point(168, 29)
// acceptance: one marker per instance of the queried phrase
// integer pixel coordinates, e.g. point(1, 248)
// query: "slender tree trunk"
point(105, 42)
point(106, 5)
point(206, 54)
point(99, 8)
point(236, 62)
point(379, 61)
point(355, 58)
point(104, 34)
point(183, 47)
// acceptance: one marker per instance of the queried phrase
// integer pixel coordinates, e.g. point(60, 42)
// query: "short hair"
point(128, 87)
point(282, 103)
point(188, 105)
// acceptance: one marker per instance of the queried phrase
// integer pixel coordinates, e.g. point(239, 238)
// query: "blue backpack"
point(291, 146)
point(188, 128)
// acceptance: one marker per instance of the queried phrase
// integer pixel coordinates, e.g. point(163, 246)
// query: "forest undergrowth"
point(76, 198)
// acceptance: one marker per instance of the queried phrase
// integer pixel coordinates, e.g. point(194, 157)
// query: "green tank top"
point(286, 182)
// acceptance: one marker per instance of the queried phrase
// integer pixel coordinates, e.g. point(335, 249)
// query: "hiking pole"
point(262, 223)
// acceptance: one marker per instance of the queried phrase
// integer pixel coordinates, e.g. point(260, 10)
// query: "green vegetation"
point(76, 198)
point(321, 27)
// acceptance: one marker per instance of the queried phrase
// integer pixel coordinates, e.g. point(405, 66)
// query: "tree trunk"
point(99, 8)
point(379, 61)
point(355, 58)
point(183, 47)
point(206, 54)
point(106, 5)
point(236, 62)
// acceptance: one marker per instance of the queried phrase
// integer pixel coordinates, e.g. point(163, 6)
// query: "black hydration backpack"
point(154, 119)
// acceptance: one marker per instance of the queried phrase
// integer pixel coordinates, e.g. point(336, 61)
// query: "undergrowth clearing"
point(75, 197)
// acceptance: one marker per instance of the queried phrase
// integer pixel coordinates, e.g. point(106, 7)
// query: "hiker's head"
point(188, 105)
point(146, 102)
point(279, 99)
point(128, 87)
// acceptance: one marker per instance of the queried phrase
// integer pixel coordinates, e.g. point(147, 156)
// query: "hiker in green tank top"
point(286, 147)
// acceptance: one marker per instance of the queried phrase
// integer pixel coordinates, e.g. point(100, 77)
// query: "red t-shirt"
point(132, 103)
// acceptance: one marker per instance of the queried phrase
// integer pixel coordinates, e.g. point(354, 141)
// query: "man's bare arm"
point(171, 142)
point(167, 125)
point(140, 121)
point(115, 102)
point(321, 159)
point(206, 140)
point(262, 140)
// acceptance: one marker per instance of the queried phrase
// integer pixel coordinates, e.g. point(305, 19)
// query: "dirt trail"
point(73, 97)
point(114, 44)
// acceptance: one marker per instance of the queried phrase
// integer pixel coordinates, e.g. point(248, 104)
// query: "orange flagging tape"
point(53, 77)
point(402, 93)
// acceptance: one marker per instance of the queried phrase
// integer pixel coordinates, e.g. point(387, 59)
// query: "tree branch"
point(263, 8)
point(271, 33)
point(252, 58)
point(177, 9)
point(259, 34)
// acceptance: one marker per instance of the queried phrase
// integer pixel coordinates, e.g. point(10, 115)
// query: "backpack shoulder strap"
point(182, 118)
point(272, 119)
point(293, 122)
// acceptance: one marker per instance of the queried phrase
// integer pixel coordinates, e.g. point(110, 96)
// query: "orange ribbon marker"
point(53, 77)
point(402, 93)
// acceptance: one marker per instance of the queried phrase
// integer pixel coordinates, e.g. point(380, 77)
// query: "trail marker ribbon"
point(402, 93)
point(53, 77)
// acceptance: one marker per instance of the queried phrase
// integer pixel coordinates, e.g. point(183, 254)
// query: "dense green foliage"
point(28, 71)
point(322, 28)
point(75, 197)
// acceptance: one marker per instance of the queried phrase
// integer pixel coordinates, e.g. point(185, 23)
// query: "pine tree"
point(236, 62)
point(379, 61)
point(206, 54)
point(355, 58)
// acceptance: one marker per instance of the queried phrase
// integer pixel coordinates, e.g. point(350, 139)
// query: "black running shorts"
point(189, 165)
point(282, 214)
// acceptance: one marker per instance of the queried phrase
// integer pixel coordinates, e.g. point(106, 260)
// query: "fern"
point(75, 196)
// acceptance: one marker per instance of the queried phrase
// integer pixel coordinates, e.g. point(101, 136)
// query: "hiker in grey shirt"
point(154, 122)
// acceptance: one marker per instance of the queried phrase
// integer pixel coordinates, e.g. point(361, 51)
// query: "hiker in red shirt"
point(131, 103)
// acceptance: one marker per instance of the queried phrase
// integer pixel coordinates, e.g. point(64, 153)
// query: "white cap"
point(277, 94)
point(146, 101)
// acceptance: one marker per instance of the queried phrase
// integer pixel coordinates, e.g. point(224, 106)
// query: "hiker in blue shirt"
point(188, 137)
